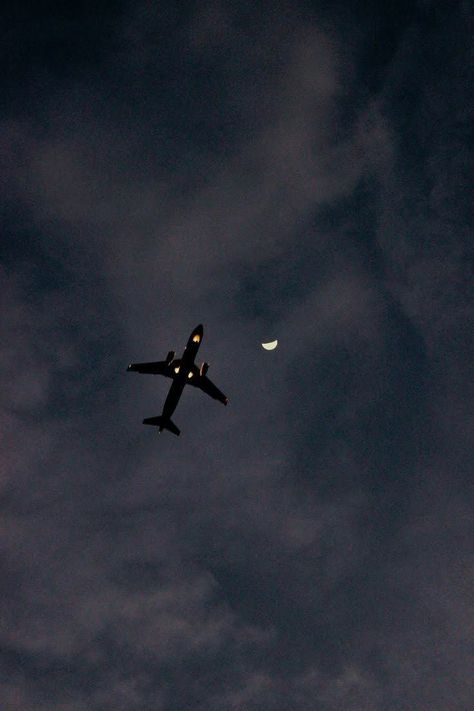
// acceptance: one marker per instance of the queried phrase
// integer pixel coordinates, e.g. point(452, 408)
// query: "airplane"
point(183, 371)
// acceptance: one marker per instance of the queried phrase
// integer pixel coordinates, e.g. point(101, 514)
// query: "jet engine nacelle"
point(204, 368)
point(170, 357)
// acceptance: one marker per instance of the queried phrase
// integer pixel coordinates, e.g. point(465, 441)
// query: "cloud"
point(306, 546)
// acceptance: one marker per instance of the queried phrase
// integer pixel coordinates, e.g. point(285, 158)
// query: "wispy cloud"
point(308, 546)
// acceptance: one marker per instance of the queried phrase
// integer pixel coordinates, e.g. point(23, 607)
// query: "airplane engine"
point(204, 368)
point(170, 357)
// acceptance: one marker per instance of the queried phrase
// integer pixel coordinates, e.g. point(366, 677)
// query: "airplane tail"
point(162, 424)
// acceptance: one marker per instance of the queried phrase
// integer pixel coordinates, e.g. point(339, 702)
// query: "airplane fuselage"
point(183, 370)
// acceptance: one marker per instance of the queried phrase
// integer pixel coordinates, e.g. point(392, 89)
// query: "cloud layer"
point(307, 547)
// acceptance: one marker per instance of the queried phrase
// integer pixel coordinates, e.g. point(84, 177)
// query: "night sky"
point(291, 170)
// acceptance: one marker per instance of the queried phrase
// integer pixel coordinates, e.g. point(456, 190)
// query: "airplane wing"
point(160, 367)
point(208, 387)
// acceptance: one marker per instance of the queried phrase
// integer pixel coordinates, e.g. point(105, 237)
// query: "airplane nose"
point(196, 336)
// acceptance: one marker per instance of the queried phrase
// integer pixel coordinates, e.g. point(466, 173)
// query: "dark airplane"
point(183, 372)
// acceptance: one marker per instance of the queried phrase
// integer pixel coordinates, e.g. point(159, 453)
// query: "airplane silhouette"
point(182, 371)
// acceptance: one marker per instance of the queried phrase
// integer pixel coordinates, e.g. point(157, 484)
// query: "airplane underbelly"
point(174, 394)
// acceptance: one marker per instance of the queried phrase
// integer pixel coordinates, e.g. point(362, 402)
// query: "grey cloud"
point(308, 546)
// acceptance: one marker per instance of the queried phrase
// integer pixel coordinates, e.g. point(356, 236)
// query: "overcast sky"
point(291, 170)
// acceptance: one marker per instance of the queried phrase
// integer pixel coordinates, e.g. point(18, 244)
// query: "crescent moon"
point(270, 346)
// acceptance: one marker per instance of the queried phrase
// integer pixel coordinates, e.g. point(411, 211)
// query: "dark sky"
point(291, 170)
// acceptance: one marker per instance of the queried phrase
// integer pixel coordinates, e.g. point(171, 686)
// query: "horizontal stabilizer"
point(162, 424)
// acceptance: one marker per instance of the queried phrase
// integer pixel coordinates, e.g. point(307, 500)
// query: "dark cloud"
point(272, 172)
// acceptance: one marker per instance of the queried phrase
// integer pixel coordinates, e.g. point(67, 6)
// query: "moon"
point(270, 346)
